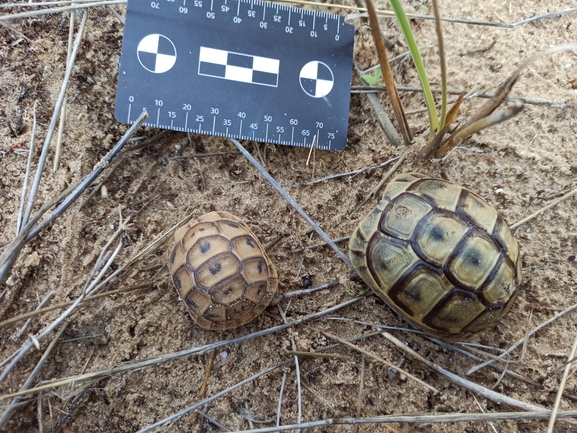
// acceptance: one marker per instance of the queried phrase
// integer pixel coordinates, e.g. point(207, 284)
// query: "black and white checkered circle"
point(156, 53)
point(316, 79)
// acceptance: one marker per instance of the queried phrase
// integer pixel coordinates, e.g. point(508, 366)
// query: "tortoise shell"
point(221, 271)
point(439, 255)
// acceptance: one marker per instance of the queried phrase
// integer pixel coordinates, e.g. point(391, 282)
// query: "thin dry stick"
point(543, 209)
point(297, 368)
point(383, 180)
point(212, 420)
point(280, 398)
point(388, 73)
point(33, 340)
point(60, 134)
point(32, 376)
point(212, 398)
point(208, 369)
point(66, 304)
point(383, 13)
point(522, 340)
point(40, 305)
point(439, 32)
point(320, 355)
point(517, 99)
point(561, 388)
point(58, 10)
point(147, 362)
point(485, 392)
point(293, 203)
point(355, 172)
point(381, 360)
point(27, 175)
point(323, 244)
point(44, 154)
point(416, 419)
point(382, 116)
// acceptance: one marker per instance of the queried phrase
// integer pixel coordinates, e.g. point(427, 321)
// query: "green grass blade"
point(418, 61)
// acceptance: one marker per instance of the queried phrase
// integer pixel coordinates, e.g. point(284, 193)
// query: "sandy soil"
point(518, 167)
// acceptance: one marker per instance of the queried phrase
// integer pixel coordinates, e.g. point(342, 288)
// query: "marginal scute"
point(479, 211)
point(439, 255)
point(221, 271)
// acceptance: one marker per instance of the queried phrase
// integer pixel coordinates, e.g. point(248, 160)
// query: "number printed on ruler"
point(237, 68)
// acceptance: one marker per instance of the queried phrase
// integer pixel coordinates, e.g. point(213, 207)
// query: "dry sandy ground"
point(519, 167)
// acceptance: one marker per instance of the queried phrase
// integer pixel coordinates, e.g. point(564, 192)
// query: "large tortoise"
point(439, 255)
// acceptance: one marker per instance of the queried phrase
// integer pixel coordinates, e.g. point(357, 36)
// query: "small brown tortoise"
point(439, 255)
point(221, 271)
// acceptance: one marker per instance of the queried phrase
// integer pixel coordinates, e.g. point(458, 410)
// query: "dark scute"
point(177, 282)
point(259, 266)
point(473, 257)
point(204, 247)
point(215, 269)
point(191, 302)
point(438, 234)
point(172, 255)
point(231, 224)
point(249, 242)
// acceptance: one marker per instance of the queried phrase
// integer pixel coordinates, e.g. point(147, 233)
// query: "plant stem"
point(418, 61)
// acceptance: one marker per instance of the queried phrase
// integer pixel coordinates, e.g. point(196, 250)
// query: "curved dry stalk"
point(148, 362)
point(464, 133)
point(478, 389)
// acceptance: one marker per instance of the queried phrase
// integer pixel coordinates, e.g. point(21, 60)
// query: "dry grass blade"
point(388, 73)
point(382, 116)
point(478, 389)
point(30, 230)
point(381, 360)
point(416, 419)
point(30, 314)
point(466, 132)
point(208, 400)
point(58, 10)
point(562, 387)
point(388, 174)
point(293, 203)
point(44, 154)
point(147, 362)
point(27, 175)
point(431, 148)
point(484, 118)
point(544, 208)
point(280, 399)
point(522, 340)
point(32, 375)
point(297, 368)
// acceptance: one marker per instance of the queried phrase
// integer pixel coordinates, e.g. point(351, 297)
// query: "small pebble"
point(224, 355)
point(177, 146)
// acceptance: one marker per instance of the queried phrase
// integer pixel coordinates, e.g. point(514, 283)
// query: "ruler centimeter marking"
point(252, 70)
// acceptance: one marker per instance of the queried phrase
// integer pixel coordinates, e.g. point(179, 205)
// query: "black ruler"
point(246, 69)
